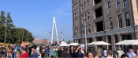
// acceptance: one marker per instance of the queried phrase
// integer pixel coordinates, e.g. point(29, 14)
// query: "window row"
point(86, 17)
point(118, 4)
point(88, 29)
point(75, 2)
point(84, 6)
point(127, 19)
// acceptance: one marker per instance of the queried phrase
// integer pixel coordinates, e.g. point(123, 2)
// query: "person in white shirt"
point(109, 53)
point(131, 53)
point(120, 53)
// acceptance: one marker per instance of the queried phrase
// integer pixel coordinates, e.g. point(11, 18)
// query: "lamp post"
point(50, 36)
point(85, 35)
point(61, 35)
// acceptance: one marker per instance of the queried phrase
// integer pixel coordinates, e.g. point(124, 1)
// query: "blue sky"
point(37, 16)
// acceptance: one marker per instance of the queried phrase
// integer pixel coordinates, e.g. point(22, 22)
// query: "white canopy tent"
point(63, 44)
point(73, 44)
point(98, 43)
point(128, 42)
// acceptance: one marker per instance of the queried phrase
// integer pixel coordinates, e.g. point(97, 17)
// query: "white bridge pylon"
point(54, 24)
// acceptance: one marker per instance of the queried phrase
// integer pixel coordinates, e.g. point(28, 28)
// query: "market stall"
point(73, 44)
point(128, 42)
point(98, 43)
point(63, 44)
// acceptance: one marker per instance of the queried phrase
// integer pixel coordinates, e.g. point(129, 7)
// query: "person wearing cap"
point(9, 54)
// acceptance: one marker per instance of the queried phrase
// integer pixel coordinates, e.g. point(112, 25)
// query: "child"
point(9, 54)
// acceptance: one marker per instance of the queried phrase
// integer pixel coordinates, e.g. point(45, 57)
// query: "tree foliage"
point(13, 34)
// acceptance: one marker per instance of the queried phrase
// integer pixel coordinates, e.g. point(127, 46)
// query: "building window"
point(82, 18)
point(111, 23)
point(82, 8)
point(125, 3)
point(83, 29)
point(127, 19)
point(85, 5)
point(109, 7)
point(89, 28)
point(89, 15)
point(118, 3)
point(85, 17)
point(120, 21)
point(97, 1)
point(90, 40)
point(88, 4)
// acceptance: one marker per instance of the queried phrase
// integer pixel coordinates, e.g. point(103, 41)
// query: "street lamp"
point(85, 35)
point(61, 35)
point(50, 37)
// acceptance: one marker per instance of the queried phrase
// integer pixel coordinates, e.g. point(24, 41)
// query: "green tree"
point(14, 35)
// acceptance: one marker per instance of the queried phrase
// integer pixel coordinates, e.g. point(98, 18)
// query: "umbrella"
point(128, 42)
point(63, 44)
point(99, 43)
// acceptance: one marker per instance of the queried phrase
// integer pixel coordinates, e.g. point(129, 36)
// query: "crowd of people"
point(36, 51)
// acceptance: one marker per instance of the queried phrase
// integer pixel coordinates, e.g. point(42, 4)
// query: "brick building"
point(40, 41)
point(107, 20)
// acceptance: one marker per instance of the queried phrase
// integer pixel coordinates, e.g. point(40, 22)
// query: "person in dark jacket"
point(60, 52)
point(78, 52)
point(65, 54)
point(72, 52)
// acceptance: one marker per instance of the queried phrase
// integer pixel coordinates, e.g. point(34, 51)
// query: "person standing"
point(124, 56)
point(90, 55)
point(72, 52)
point(78, 52)
point(14, 51)
point(131, 53)
point(30, 50)
point(99, 52)
point(120, 53)
point(34, 54)
point(109, 53)
point(92, 51)
point(37, 50)
point(42, 53)
point(65, 54)
point(24, 53)
point(18, 47)
point(47, 52)
point(60, 51)
point(105, 53)
point(52, 53)
point(114, 54)
point(9, 54)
